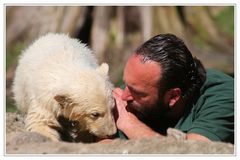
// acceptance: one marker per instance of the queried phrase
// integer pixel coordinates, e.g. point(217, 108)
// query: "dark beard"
point(153, 116)
point(144, 113)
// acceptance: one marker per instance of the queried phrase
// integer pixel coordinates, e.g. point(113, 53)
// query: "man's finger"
point(118, 91)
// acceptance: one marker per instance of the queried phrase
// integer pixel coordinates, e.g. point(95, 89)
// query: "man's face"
point(141, 91)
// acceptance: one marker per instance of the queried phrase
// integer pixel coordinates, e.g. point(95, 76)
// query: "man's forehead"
point(137, 61)
point(146, 71)
point(136, 58)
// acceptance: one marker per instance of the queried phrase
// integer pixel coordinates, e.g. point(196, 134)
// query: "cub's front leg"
point(44, 125)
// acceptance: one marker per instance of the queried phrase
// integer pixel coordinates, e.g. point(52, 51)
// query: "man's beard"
point(153, 116)
point(148, 113)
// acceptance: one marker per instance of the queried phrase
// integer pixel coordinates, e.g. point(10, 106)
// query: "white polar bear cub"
point(58, 80)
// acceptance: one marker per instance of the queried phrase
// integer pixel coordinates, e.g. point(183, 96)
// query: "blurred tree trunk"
point(120, 27)
point(26, 23)
point(203, 26)
point(167, 20)
point(100, 31)
point(73, 18)
point(146, 21)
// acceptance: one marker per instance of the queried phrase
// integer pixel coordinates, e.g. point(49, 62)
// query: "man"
point(166, 87)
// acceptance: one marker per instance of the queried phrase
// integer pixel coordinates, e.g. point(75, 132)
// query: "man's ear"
point(63, 100)
point(172, 96)
point(103, 69)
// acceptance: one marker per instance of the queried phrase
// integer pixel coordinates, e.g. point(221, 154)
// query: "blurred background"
point(114, 32)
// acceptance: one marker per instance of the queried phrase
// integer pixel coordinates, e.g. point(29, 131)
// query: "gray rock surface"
point(19, 141)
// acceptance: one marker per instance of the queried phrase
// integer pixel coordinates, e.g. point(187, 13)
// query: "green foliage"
point(225, 21)
point(112, 35)
point(10, 107)
point(120, 80)
point(200, 43)
point(11, 59)
point(12, 54)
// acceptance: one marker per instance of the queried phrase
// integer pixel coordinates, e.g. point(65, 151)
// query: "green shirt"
point(213, 114)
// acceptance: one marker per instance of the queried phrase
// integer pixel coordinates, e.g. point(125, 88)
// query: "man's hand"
point(123, 117)
point(128, 122)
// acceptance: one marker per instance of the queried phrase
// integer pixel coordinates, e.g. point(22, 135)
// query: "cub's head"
point(88, 103)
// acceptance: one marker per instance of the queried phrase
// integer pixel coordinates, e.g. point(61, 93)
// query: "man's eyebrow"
point(133, 88)
point(136, 90)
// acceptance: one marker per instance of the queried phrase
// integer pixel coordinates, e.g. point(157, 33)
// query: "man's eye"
point(136, 93)
point(139, 94)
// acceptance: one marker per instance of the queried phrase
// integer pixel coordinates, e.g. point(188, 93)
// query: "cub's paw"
point(46, 131)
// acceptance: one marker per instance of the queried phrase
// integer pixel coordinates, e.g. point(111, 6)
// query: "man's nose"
point(126, 96)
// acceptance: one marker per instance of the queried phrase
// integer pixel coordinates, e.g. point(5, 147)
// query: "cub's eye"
point(74, 123)
point(95, 115)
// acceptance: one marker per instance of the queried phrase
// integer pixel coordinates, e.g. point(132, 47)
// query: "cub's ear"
point(103, 69)
point(63, 100)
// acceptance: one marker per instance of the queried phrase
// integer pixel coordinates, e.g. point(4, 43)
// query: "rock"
point(22, 142)
point(19, 138)
point(14, 122)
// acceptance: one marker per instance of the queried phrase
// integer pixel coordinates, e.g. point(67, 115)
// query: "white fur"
point(54, 65)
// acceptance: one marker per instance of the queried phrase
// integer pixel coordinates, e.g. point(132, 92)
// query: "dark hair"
point(179, 68)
